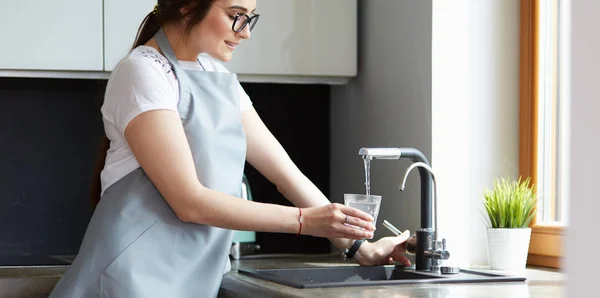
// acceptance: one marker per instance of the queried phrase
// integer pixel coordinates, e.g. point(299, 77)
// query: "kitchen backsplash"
point(298, 116)
point(49, 135)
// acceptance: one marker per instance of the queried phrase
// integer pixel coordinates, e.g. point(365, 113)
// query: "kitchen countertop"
point(29, 281)
point(540, 283)
point(39, 282)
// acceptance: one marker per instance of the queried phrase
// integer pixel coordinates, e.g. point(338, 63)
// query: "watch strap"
point(349, 253)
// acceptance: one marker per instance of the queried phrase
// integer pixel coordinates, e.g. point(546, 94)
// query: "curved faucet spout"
point(428, 168)
point(412, 166)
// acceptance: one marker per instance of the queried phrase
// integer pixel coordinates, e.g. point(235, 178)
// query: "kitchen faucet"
point(427, 249)
point(436, 250)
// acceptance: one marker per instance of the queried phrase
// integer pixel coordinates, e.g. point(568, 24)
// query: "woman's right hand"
point(337, 221)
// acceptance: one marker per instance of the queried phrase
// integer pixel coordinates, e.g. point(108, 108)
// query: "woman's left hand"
point(385, 251)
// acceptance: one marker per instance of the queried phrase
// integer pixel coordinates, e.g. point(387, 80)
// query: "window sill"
point(545, 247)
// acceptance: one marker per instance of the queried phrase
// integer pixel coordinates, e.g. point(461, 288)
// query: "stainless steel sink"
point(345, 276)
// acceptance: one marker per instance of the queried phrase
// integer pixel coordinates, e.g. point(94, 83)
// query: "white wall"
point(475, 99)
point(387, 105)
point(580, 265)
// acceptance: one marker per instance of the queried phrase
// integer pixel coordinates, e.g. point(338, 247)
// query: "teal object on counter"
point(245, 236)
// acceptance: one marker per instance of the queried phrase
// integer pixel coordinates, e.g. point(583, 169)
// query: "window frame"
point(545, 248)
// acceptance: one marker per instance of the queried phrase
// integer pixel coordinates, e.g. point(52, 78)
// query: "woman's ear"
point(185, 10)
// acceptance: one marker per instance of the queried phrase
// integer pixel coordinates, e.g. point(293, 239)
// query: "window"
point(553, 122)
point(544, 122)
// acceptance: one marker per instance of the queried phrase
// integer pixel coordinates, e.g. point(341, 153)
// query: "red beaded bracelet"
point(300, 221)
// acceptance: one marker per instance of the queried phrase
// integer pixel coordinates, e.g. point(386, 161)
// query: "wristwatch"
point(348, 253)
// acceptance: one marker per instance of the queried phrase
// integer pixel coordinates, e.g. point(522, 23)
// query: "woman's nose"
point(245, 33)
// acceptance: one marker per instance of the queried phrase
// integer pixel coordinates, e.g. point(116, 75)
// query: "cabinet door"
point(122, 19)
point(300, 37)
point(51, 35)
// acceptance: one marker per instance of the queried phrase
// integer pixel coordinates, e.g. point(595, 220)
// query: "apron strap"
point(165, 47)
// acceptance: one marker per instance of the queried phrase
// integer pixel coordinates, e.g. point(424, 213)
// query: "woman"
point(181, 128)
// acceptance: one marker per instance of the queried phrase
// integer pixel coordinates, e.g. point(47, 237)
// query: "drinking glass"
point(367, 203)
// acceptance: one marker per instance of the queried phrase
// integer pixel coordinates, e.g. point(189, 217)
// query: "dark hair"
point(165, 11)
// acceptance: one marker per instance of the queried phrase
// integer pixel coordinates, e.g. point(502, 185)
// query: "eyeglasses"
point(241, 20)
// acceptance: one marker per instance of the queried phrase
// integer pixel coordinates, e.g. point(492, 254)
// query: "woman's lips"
point(231, 45)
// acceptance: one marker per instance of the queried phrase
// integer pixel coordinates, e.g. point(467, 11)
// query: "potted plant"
point(510, 206)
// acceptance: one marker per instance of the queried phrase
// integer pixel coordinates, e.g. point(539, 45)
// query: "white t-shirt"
point(142, 81)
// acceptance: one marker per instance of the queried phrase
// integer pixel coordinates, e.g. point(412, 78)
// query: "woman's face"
point(214, 35)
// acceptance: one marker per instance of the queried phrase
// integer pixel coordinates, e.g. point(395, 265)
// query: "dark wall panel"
point(49, 133)
point(49, 136)
point(298, 116)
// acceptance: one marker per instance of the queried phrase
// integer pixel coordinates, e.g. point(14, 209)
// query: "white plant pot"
point(508, 248)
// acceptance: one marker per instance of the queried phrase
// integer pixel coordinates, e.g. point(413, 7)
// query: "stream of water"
point(367, 176)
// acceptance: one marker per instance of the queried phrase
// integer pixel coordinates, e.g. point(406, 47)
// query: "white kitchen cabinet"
point(51, 35)
point(300, 39)
point(294, 40)
point(121, 23)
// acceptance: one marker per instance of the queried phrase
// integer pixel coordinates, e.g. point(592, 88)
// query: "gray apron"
point(135, 246)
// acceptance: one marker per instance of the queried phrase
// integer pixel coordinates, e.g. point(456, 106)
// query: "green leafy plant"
point(511, 204)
